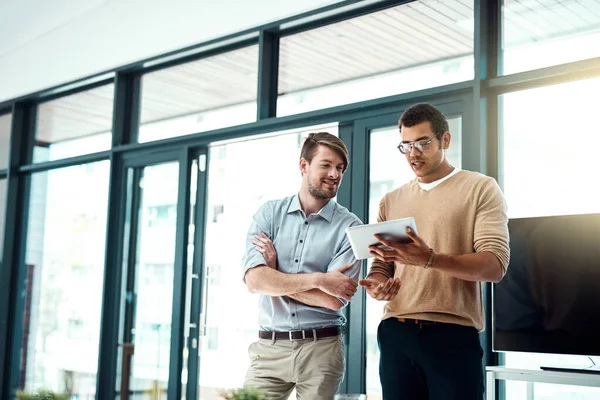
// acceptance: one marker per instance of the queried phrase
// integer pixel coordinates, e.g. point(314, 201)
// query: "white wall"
point(45, 43)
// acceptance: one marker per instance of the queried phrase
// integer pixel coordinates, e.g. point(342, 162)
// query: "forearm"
point(270, 282)
point(476, 267)
point(318, 298)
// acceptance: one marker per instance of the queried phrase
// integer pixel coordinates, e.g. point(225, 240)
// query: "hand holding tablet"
point(363, 236)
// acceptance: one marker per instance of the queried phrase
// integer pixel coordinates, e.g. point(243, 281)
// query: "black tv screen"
point(549, 299)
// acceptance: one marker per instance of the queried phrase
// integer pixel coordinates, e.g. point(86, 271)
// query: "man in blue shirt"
point(299, 260)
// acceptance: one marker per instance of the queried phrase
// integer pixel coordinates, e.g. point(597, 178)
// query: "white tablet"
point(362, 236)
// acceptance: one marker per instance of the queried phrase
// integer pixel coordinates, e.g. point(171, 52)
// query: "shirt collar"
point(325, 212)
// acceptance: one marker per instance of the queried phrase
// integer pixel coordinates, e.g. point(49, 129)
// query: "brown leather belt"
point(301, 335)
point(418, 321)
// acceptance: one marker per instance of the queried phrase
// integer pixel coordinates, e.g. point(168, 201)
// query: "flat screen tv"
point(549, 299)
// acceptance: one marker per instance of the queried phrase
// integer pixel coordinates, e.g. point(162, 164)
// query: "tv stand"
point(574, 377)
point(592, 369)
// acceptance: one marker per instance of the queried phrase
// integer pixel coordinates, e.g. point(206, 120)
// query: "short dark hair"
point(314, 140)
point(422, 112)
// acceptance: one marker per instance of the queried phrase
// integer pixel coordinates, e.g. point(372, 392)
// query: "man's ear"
point(303, 166)
point(446, 138)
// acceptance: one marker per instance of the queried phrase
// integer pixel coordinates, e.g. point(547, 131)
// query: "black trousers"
point(420, 362)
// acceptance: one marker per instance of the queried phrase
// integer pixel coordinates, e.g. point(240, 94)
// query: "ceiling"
point(209, 83)
point(409, 35)
point(413, 34)
point(78, 115)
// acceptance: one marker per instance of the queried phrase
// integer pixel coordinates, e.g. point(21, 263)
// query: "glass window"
point(389, 170)
point(5, 122)
point(516, 390)
point(210, 93)
point(74, 125)
point(65, 270)
point(541, 179)
point(549, 153)
point(3, 187)
point(413, 46)
point(542, 33)
point(224, 356)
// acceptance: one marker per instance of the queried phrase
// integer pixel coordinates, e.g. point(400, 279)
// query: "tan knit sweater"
point(464, 214)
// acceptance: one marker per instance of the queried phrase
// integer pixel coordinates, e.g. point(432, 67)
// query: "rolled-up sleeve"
point(378, 266)
point(261, 222)
point(491, 224)
point(345, 256)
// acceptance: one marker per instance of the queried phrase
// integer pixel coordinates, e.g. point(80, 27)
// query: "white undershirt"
point(429, 186)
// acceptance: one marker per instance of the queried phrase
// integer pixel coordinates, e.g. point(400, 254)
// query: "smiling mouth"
point(417, 164)
point(331, 183)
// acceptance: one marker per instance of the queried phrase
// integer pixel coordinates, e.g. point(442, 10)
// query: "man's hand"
point(337, 284)
point(414, 253)
point(265, 246)
point(381, 288)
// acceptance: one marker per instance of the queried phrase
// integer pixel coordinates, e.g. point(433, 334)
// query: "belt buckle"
point(293, 339)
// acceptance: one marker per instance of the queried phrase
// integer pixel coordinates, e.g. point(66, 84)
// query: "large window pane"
point(74, 125)
point(541, 33)
point(548, 172)
point(210, 93)
point(65, 267)
point(414, 46)
point(550, 156)
point(5, 121)
point(388, 170)
point(235, 193)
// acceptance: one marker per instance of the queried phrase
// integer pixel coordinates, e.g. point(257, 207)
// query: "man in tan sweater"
point(428, 336)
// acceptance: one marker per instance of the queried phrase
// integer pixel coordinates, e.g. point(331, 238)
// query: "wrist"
point(317, 280)
point(430, 260)
point(378, 276)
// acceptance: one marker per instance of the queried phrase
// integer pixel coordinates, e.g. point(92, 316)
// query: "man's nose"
point(413, 151)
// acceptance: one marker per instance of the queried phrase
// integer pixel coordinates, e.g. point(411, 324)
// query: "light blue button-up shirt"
point(317, 243)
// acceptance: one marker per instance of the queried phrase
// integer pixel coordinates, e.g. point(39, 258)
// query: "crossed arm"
point(315, 289)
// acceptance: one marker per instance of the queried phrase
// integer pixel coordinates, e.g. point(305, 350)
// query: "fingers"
point(392, 291)
point(345, 268)
point(368, 282)
point(412, 234)
point(386, 291)
point(383, 241)
point(376, 251)
point(346, 296)
point(395, 288)
point(263, 239)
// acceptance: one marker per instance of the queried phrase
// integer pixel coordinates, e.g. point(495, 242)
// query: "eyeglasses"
point(420, 145)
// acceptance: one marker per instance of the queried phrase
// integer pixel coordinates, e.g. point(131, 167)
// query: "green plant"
point(247, 393)
point(40, 394)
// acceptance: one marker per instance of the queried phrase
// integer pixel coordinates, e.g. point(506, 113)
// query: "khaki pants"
point(315, 368)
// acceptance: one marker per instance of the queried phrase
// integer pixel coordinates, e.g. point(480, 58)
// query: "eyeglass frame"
point(427, 142)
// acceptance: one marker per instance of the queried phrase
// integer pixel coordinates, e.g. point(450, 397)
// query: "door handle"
point(128, 349)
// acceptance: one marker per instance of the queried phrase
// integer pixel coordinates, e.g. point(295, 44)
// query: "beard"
point(317, 193)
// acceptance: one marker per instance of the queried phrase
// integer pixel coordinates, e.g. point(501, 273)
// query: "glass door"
point(147, 295)
point(234, 179)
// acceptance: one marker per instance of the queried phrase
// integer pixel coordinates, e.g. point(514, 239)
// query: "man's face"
point(324, 173)
point(424, 163)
